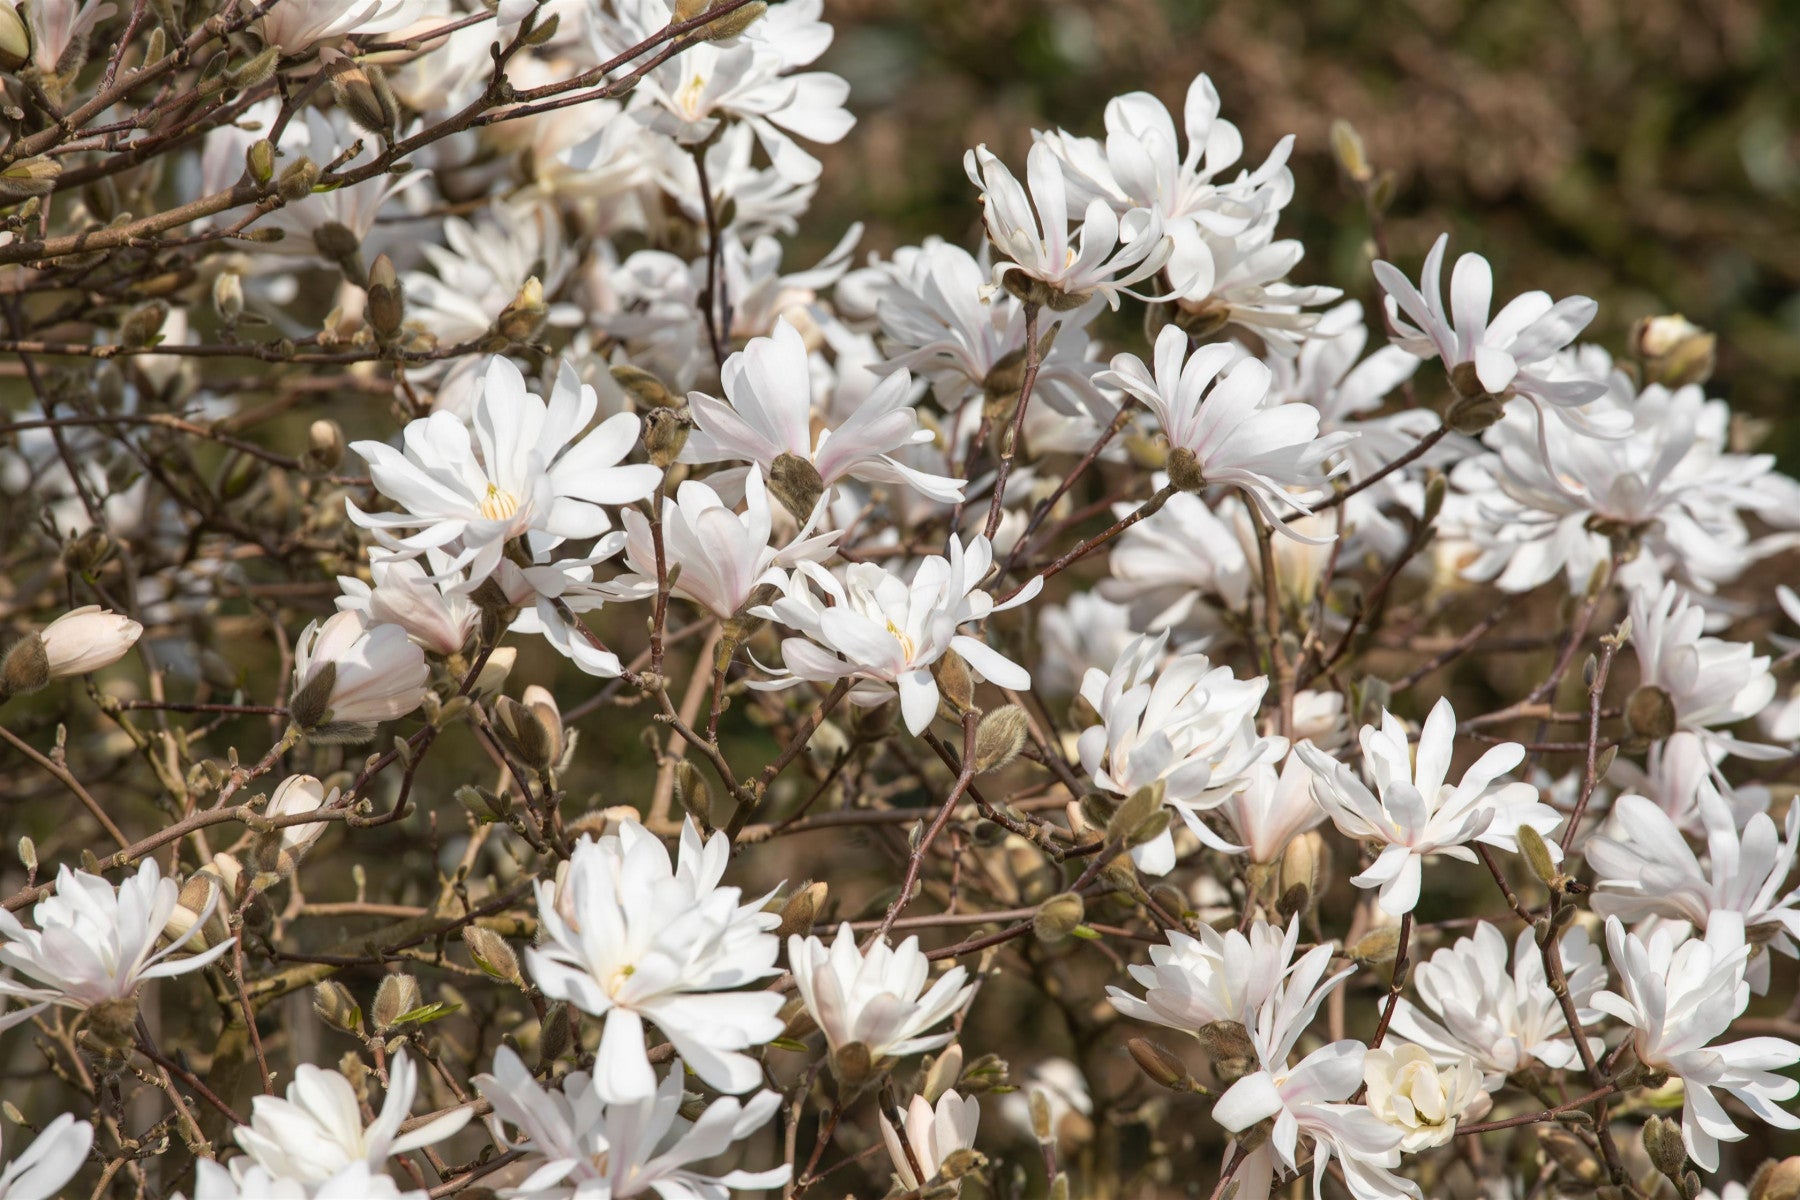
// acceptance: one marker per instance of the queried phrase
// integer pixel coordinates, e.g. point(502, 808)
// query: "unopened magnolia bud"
point(1184, 470)
point(337, 1007)
point(142, 324)
point(336, 241)
point(30, 177)
point(1000, 737)
point(956, 686)
point(1347, 148)
point(734, 22)
point(871, 724)
point(1777, 1180)
point(1377, 947)
point(524, 315)
point(28, 857)
point(1058, 917)
point(1306, 862)
point(256, 71)
point(1472, 411)
point(1651, 713)
point(1538, 857)
point(228, 296)
point(15, 43)
point(1662, 1142)
point(665, 433)
point(801, 911)
point(491, 953)
point(797, 484)
point(556, 1033)
point(522, 735)
point(1675, 351)
point(397, 996)
point(1059, 1187)
point(542, 704)
point(944, 1072)
point(297, 181)
point(386, 310)
point(88, 551)
point(259, 160)
point(645, 388)
point(1136, 820)
point(362, 92)
point(692, 793)
point(310, 706)
point(482, 804)
point(1160, 1065)
point(1041, 1127)
point(26, 667)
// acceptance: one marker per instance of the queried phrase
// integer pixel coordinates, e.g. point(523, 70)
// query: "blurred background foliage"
point(1643, 152)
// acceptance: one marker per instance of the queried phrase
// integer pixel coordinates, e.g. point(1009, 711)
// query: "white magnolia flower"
point(1505, 355)
point(1032, 232)
point(483, 265)
point(750, 79)
point(296, 25)
point(1192, 732)
point(1235, 437)
point(49, 1163)
point(875, 997)
point(1680, 993)
point(86, 639)
point(1191, 983)
point(358, 1181)
point(753, 200)
point(1708, 681)
point(723, 556)
point(524, 471)
point(57, 26)
point(1250, 287)
point(581, 1146)
point(1644, 867)
point(889, 633)
point(1178, 568)
point(440, 620)
point(1308, 1097)
point(1271, 809)
point(766, 417)
point(630, 936)
point(95, 943)
point(1415, 811)
point(931, 1135)
point(1680, 774)
point(297, 795)
point(1503, 1020)
point(1409, 1091)
point(1065, 1091)
point(1085, 632)
point(348, 674)
point(318, 1130)
point(317, 226)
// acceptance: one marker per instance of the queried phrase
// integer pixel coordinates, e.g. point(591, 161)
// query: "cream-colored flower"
point(1409, 1091)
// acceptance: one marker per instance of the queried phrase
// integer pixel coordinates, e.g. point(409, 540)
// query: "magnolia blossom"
point(578, 1144)
point(403, 594)
point(1065, 1092)
point(1191, 732)
point(86, 639)
point(1644, 867)
point(251, 1182)
point(766, 418)
point(95, 943)
point(1271, 809)
point(484, 265)
point(1308, 1097)
point(1503, 1020)
point(931, 1136)
point(876, 997)
point(298, 795)
point(1178, 568)
point(1085, 632)
point(723, 556)
point(1415, 811)
point(630, 936)
point(1680, 993)
point(295, 25)
point(889, 633)
point(1505, 354)
point(1708, 682)
point(49, 1163)
point(349, 675)
point(1234, 437)
point(59, 27)
point(1191, 983)
point(1410, 1092)
point(318, 1131)
point(524, 471)
point(1032, 232)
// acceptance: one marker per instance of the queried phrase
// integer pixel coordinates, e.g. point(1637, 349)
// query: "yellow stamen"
point(498, 505)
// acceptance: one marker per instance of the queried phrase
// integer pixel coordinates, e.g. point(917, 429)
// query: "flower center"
point(688, 97)
point(498, 505)
point(906, 643)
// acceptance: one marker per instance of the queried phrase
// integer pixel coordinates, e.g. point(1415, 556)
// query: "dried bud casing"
point(523, 315)
point(113, 1023)
point(644, 387)
point(796, 482)
point(1650, 713)
point(386, 309)
point(801, 911)
point(1160, 1065)
point(943, 1073)
point(665, 434)
point(1675, 351)
point(693, 794)
point(324, 445)
point(1777, 1180)
point(852, 1065)
point(1137, 819)
point(1377, 947)
point(734, 22)
point(522, 735)
point(1229, 1046)
point(1184, 470)
point(956, 686)
point(556, 1033)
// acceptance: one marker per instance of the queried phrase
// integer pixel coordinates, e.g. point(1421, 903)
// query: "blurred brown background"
point(1644, 152)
